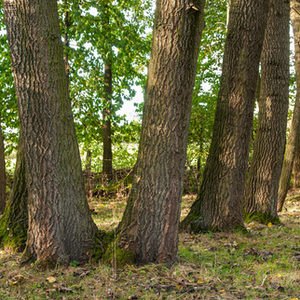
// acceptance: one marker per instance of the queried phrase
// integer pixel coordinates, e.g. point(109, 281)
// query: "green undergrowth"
point(261, 218)
point(263, 264)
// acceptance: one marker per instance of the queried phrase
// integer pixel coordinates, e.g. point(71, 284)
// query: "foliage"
point(8, 103)
point(207, 82)
point(102, 31)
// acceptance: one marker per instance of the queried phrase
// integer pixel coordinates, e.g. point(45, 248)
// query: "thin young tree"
point(60, 227)
point(149, 228)
point(219, 202)
point(2, 172)
point(261, 192)
point(294, 135)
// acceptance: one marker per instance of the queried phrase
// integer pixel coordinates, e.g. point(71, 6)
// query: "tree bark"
point(261, 192)
point(296, 168)
point(14, 222)
point(219, 202)
point(107, 145)
point(60, 227)
point(294, 135)
point(2, 173)
point(149, 228)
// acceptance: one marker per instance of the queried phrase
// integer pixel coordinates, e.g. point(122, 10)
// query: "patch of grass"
point(261, 264)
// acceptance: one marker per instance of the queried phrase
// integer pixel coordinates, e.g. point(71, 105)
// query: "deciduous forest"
point(149, 149)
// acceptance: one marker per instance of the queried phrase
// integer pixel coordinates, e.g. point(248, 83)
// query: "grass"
point(263, 264)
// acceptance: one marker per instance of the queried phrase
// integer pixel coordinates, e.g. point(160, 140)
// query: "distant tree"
point(219, 202)
point(261, 192)
point(293, 139)
point(60, 227)
point(2, 172)
point(108, 53)
point(149, 228)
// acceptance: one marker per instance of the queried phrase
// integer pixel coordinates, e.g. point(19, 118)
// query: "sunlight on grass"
point(258, 265)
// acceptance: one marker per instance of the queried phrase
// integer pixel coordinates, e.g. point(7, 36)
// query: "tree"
point(294, 135)
point(149, 228)
point(110, 58)
point(2, 172)
point(219, 202)
point(60, 227)
point(261, 192)
point(14, 222)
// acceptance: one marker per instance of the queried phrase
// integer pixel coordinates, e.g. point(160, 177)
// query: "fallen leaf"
point(51, 279)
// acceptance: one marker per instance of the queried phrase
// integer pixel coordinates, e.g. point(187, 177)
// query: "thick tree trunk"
point(219, 203)
point(60, 227)
point(2, 173)
point(14, 222)
point(149, 228)
point(107, 146)
point(294, 135)
point(261, 192)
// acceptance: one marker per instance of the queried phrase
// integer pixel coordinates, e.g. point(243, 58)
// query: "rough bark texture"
point(149, 228)
point(219, 203)
point(2, 173)
point(294, 135)
point(14, 222)
point(60, 227)
point(261, 192)
point(107, 147)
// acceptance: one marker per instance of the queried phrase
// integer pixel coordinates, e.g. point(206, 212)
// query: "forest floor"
point(263, 264)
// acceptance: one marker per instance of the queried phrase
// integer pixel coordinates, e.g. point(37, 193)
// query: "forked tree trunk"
point(294, 135)
point(14, 222)
point(2, 173)
point(261, 192)
point(60, 227)
point(149, 228)
point(219, 202)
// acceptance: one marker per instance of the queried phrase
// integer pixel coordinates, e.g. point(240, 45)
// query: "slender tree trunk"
point(14, 222)
point(88, 172)
point(294, 136)
point(261, 192)
point(219, 203)
point(2, 173)
point(107, 146)
point(60, 227)
point(296, 168)
point(149, 228)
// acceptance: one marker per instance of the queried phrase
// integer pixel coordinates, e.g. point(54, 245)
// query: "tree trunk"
point(2, 173)
point(261, 192)
point(149, 228)
point(107, 150)
point(14, 222)
point(219, 202)
point(296, 168)
point(88, 173)
point(294, 136)
point(60, 227)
